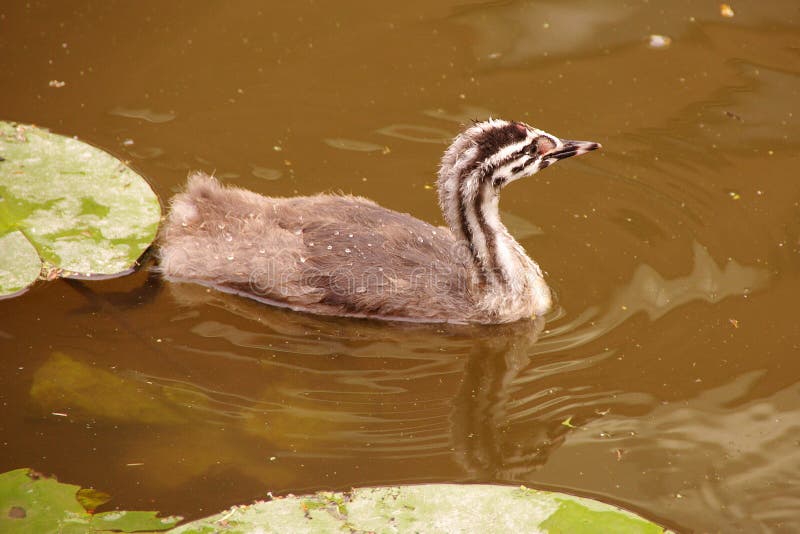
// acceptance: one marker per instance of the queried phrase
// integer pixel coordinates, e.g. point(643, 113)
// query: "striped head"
point(503, 151)
point(491, 154)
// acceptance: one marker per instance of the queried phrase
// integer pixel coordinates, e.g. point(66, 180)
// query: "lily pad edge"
point(18, 156)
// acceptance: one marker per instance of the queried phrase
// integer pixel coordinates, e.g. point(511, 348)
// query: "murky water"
point(667, 379)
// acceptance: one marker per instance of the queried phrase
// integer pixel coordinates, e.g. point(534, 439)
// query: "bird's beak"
point(567, 149)
point(572, 148)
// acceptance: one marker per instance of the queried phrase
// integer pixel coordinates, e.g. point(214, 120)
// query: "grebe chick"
point(345, 255)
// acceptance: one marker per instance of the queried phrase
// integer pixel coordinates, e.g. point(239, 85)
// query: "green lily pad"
point(19, 263)
point(35, 504)
point(81, 210)
point(92, 499)
point(573, 517)
point(427, 508)
point(31, 503)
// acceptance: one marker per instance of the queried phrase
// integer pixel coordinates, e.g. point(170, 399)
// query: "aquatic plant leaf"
point(577, 518)
point(427, 508)
point(32, 503)
point(19, 263)
point(63, 383)
point(83, 211)
point(92, 499)
point(121, 521)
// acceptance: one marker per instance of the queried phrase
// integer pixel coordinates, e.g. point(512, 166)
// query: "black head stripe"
point(566, 154)
point(492, 140)
point(522, 166)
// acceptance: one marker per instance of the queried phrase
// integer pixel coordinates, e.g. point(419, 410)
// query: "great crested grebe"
point(345, 255)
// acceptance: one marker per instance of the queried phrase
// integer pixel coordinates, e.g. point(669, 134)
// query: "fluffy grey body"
point(345, 255)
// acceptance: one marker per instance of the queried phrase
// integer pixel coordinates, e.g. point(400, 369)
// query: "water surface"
point(672, 355)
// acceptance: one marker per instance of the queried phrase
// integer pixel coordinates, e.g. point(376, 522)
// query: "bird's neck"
point(469, 202)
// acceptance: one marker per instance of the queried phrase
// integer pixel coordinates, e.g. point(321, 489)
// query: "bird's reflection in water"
point(325, 386)
point(447, 401)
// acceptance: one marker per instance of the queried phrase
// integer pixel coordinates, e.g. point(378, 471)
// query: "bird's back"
point(331, 254)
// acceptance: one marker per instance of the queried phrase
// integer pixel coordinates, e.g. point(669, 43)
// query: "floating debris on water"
point(726, 11)
point(659, 41)
point(58, 84)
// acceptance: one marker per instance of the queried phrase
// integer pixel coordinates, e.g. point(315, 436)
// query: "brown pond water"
point(674, 254)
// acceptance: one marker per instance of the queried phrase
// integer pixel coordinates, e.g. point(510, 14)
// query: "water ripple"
point(145, 114)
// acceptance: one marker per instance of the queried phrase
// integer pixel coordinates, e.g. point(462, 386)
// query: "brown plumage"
point(346, 255)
